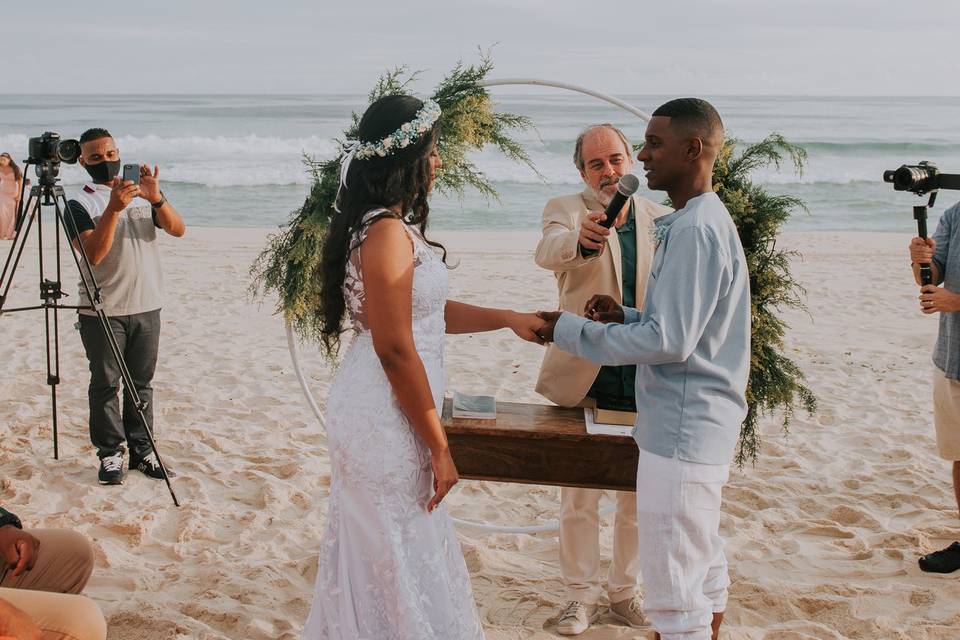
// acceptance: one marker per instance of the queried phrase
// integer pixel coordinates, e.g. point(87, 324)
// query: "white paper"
point(594, 428)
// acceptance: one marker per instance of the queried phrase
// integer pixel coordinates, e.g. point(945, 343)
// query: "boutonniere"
point(658, 233)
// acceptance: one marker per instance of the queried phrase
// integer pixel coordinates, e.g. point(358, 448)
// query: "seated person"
point(41, 573)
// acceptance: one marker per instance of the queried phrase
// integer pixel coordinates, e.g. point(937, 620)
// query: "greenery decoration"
point(289, 265)
point(776, 382)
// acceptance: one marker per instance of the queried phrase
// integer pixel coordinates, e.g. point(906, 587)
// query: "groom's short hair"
point(696, 117)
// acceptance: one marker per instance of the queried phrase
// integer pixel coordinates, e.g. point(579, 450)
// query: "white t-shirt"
point(130, 276)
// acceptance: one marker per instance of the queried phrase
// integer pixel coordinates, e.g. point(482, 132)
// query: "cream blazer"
point(564, 378)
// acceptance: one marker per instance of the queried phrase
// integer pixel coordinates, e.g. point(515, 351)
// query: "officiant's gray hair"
point(578, 148)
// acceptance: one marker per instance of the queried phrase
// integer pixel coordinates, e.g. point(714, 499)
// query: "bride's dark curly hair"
point(401, 178)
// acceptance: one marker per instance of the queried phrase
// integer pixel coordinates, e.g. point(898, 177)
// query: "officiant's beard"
point(602, 195)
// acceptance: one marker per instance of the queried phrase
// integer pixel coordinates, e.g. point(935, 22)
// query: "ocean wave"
point(257, 161)
point(873, 147)
point(152, 147)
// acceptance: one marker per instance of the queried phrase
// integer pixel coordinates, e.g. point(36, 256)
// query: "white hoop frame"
point(295, 352)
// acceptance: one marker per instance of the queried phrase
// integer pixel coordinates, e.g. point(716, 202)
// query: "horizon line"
point(364, 94)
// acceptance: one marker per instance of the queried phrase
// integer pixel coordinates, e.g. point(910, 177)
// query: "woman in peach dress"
point(10, 182)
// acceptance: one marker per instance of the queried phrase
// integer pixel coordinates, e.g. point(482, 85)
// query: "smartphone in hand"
point(131, 172)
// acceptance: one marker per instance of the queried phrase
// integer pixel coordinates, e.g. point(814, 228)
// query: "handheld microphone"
point(626, 187)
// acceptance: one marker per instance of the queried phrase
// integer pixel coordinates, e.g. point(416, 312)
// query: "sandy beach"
point(822, 534)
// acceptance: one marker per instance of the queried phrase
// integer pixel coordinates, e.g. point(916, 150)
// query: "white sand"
point(823, 533)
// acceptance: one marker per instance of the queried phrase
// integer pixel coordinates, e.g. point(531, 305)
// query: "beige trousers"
point(47, 593)
point(580, 546)
point(946, 415)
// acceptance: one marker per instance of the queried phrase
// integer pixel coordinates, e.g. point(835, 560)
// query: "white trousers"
point(681, 552)
point(580, 546)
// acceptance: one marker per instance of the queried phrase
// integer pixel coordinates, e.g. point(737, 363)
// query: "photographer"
point(116, 221)
point(942, 253)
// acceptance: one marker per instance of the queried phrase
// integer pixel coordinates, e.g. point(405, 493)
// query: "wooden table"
point(539, 444)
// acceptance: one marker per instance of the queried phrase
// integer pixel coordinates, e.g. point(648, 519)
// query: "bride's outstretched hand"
point(527, 326)
point(444, 477)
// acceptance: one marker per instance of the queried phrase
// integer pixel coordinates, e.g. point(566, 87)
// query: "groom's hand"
point(549, 324)
point(603, 309)
point(526, 326)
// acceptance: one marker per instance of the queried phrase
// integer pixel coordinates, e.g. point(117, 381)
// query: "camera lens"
point(68, 151)
point(910, 178)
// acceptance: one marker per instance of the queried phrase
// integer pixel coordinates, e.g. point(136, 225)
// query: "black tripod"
point(48, 193)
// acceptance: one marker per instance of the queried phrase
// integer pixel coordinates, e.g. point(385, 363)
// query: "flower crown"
point(402, 137)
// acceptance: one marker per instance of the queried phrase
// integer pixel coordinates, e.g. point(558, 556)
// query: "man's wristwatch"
point(157, 205)
point(8, 518)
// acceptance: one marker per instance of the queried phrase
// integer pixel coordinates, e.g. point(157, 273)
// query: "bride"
point(390, 563)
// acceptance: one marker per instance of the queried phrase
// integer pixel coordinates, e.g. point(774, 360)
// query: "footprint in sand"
point(829, 530)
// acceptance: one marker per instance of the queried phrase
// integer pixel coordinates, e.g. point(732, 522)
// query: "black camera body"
point(921, 178)
point(48, 151)
point(50, 148)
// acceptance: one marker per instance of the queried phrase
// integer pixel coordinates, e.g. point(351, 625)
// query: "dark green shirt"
point(614, 386)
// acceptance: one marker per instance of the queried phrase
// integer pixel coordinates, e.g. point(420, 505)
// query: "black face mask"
point(104, 172)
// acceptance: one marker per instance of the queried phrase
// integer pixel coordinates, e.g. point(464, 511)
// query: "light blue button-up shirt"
point(946, 354)
point(691, 342)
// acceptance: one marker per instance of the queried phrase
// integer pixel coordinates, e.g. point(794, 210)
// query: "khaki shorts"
point(946, 415)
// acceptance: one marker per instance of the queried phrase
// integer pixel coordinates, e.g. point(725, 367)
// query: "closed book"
point(474, 407)
point(611, 416)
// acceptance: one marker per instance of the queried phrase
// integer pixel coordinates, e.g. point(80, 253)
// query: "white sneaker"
point(576, 617)
point(629, 612)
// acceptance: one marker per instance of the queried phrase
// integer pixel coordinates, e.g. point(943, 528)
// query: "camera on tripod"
point(48, 151)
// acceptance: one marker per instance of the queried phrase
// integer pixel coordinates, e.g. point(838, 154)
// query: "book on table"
point(621, 410)
point(614, 416)
point(474, 407)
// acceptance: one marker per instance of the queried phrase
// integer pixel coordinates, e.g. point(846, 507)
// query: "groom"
point(691, 345)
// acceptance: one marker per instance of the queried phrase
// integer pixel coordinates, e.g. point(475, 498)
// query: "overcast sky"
point(823, 47)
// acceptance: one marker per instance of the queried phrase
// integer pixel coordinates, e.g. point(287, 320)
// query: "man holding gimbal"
point(116, 221)
point(942, 253)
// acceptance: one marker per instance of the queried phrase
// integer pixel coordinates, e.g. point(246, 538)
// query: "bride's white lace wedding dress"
point(388, 569)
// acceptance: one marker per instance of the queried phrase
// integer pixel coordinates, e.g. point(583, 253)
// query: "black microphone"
point(626, 187)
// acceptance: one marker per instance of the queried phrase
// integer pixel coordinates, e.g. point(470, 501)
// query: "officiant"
point(587, 259)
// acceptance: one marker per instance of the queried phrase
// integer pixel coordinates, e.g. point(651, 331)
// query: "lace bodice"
point(429, 282)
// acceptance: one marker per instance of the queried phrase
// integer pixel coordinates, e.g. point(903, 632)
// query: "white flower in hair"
point(402, 137)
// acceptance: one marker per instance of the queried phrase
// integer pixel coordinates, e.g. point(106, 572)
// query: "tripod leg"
point(16, 249)
point(47, 302)
point(53, 364)
point(53, 371)
point(87, 277)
